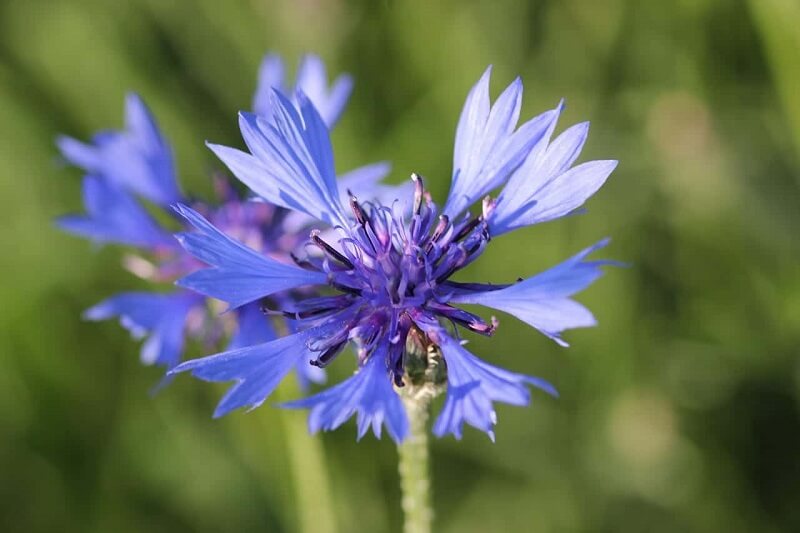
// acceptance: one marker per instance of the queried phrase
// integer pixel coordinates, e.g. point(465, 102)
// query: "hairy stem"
point(415, 482)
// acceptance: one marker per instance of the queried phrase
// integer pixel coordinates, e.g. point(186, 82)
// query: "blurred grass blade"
point(312, 487)
point(777, 24)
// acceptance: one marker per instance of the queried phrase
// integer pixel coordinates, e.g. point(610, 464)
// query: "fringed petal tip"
point(238, 274)
point(543, 301)
point(473, 387)
point(368, 394)
point(158, 318)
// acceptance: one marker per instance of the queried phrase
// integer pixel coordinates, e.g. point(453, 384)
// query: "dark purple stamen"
point(464, 318)
point(358, 211)
point(419, 192)
point(441, 227)
point(330, 250)
point(467, 228)
point(328, 355)
point(303, 263)
point(344, 288)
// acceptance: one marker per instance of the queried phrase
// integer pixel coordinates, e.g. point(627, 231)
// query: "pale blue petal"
point(365, 184)
point(143, 162)
point(318, 142)
point(487, 149)
point(530, 174)
point(543, 300)
point(563, 151)
point(473, 385)
point(137, 159)
point(568, 191)
point(359, 181)
point(114, 217)
point(369, 394)
point(292, 160)
point(158, 317)
point(471, 122)
point(545, 188)
point(308, 374)
point(257, 369)
point(252, 327)
point(249, 170)
point(79, 153)
point(312, 80)
point(337, 99)
point(239, 275)
point(271, 75)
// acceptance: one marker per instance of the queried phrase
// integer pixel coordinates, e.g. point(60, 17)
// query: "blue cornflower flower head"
point(128, 168)
point(385, 270)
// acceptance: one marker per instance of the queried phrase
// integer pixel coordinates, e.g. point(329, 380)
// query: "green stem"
point(415, 482)
point(312, 486)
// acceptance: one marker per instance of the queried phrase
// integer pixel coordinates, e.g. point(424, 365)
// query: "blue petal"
point(531, 169)
point(312, 80)
point(369, 394)
point(257, 369)
point(545, 188)
point(79, 153)
point(159, 184)
point(239, 275)
point(292, 161)
point(308, 374)
point(487, 149)
point(271, 75)
point(472, 386)
point(362, 179)
point(113, 216)
point(365, 184)
point(159, 317)
point(543, 300)
point(253, 327)
point(138, 159)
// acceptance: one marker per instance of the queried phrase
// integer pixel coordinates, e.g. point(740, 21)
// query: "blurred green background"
point(680, 412)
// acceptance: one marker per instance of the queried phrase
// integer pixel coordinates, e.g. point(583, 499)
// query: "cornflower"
point(130, 169)
point(383, 270)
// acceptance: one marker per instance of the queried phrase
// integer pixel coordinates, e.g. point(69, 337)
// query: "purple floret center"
point(393, 270)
